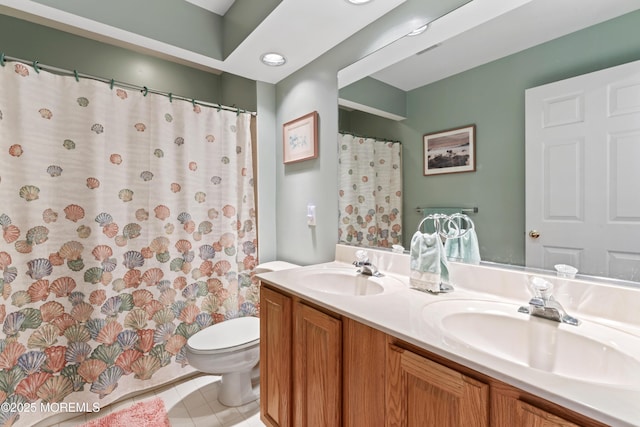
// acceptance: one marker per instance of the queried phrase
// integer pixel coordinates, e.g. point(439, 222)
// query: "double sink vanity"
point(342, 348)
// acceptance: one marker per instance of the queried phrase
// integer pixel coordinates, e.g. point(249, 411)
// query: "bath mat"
point(149, 413)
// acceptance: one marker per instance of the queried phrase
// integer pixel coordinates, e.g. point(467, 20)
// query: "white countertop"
point(399, 313)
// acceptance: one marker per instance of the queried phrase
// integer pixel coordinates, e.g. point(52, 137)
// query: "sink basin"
point(343, 281)
point(589, 352)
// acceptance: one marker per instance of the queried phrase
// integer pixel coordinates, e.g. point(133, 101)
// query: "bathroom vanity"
point(341, 349)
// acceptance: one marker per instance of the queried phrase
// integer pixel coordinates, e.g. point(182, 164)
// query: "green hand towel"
point(463, 249)
point(427, 256)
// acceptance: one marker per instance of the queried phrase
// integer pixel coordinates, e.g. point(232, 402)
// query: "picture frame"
point(450, 151)
point(300, 138)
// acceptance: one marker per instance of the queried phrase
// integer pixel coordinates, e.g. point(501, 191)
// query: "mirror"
point(491, 96)
point(369, 191)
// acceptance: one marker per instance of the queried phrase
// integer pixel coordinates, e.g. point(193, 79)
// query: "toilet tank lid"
point(229, 333)
point(274, 266)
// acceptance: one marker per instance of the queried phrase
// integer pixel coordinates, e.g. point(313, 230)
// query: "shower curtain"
point(370, 191)
point(128, 225)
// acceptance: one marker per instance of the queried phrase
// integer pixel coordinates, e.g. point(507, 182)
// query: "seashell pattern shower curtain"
point(128, 225)
point(370, 191)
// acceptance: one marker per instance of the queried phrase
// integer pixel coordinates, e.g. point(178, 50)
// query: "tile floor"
point(192, 402)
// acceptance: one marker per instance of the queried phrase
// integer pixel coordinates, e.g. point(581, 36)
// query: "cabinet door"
point(275, 358)
point(317, 367)
point(513, 407)
point(364, 358)
point(532, 416)
point(421, 392)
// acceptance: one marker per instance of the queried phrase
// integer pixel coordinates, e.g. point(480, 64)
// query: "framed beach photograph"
point(300, 138)
point(450, 151)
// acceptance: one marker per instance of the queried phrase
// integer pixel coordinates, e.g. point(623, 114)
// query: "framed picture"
point(450, 151)
point(300, 138)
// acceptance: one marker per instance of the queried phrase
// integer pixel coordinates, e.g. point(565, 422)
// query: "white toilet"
point(231, 349)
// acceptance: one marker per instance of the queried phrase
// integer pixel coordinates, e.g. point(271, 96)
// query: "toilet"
point(231, 349)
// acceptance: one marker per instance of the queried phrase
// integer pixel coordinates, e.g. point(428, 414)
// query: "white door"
point(583, 173)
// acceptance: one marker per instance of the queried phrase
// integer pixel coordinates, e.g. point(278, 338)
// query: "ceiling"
point(297, 28)
point(219, 7)
point(476, 33)
point(486, 30)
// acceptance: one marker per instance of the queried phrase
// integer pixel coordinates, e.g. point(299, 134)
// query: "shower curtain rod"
point(37, 66)
point(344, 132)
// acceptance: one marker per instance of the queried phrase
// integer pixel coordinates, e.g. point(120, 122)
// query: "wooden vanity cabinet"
point(317, 367)
point(320, 369)
point(300, 363)
point(449, 394)
point(529, 415)
point(276, 357)
point(363, 387)
point(421, 392)
point(511, 406)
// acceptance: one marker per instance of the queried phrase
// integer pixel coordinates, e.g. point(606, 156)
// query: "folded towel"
point(463, 249)
point(427, 262)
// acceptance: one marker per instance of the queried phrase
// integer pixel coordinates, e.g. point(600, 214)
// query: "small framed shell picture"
point(300, 138)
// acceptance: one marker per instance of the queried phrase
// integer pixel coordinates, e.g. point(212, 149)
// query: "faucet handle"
point(361, 256)
point(540, 288)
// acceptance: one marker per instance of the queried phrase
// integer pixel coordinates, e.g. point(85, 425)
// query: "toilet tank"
point(274, 266)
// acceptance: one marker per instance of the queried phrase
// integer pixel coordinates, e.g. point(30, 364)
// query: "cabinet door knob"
point(534, 234)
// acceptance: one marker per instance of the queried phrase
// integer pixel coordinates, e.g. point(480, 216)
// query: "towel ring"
point(452, 227)
point(436, 222)
point(458, 221)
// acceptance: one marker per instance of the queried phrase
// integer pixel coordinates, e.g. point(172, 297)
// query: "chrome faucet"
point(366, 268)
point(544, 305)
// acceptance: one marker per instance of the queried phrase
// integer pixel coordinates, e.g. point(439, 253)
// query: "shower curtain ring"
point(35, 66)
point(75, 74)
point(111, 84)
point(170, 97)
point(193, 102)
point(2, 58)
point(145, 91)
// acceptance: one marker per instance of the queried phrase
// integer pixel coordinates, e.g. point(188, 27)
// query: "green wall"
point(241, 19)
point(374, 93)
point(68, 51)
point(492, 97)
point(315, 88)
point(178, 23)
point(365, 124)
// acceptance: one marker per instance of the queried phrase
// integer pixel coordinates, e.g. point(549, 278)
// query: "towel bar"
point(466, 211)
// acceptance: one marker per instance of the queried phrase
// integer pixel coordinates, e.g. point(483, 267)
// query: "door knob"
point(534, 234)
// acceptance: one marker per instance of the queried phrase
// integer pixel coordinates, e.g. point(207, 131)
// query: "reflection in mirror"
point(457, 232)
point(490, 94)
point(370, 191)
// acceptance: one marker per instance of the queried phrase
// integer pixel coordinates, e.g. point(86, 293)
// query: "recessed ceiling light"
point(358, 1)
point(418, 30)
point(273, 59)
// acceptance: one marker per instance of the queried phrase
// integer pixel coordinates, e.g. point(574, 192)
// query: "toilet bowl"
point(231, 349)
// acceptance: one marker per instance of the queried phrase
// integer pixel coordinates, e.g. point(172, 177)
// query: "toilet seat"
point(228, 336)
